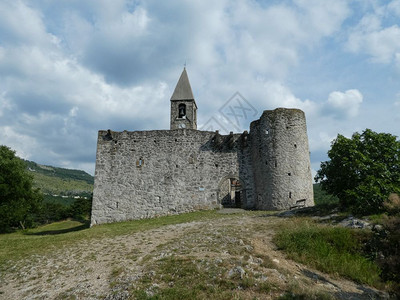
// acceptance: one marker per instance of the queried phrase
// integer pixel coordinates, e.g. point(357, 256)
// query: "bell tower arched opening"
point(183, 105)
point(182, 111)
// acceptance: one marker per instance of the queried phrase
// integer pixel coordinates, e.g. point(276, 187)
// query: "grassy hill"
point(59, 181)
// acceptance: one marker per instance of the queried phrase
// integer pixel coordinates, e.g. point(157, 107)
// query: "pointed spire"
point(183, 90)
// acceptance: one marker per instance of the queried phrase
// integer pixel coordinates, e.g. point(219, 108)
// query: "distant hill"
point(60, 181)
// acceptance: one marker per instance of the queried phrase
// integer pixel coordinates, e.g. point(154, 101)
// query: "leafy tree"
point(52, 212)
point(81, 208)
point(362, 171)
point(19, 202)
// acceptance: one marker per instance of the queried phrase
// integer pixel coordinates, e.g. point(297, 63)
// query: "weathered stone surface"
point(143, 174)
point(281, 159)
point(352, 222)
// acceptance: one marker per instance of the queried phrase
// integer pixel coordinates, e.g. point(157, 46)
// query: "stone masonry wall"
point(280, 146)
point(190, 119)
point(144, 174)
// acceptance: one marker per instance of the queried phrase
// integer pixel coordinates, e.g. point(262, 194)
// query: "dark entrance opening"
point(238, 200)
point(231, 193)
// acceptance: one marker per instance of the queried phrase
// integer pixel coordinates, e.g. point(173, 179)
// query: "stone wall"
point(280, 146)
point(144, 174)
point(190, 120)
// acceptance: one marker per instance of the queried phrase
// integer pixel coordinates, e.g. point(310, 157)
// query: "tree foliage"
point(19, 202)
point(362, 171)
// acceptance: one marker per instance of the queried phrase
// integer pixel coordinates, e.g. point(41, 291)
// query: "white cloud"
point(5, 104)
point(394, 7)
point(344, 105)
point(321, 141)
point(73, 67)
point(383, 45)
point(24, 145)
point(280, 96)
point(372, 37)
point(22, 25)
point(397, 107)
point(324, 17)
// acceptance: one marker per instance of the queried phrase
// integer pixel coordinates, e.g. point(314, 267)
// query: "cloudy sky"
point(69, 68)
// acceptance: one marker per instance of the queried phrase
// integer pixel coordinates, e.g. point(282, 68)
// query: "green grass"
point(57, 185)
point(191, 278)
point(333, 250)
point(62, 173)
point(19, 245)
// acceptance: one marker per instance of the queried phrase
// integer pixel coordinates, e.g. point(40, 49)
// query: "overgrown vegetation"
point(53, 185)
point(322, 198)
point(19, 201)
point(33, 194)
point(334, 250)
point(362, 171)
point(61, 173)
point(384, 246)
point(364, 174)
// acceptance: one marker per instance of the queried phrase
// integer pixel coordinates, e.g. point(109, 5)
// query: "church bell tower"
point(183, 105)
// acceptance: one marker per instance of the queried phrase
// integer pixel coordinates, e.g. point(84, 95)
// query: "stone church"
point(144, 174)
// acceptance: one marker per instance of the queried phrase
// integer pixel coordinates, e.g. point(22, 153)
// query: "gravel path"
point(110, 268)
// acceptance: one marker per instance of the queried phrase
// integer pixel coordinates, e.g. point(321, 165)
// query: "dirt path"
point(112, 267)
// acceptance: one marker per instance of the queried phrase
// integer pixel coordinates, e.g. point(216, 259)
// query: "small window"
point(182, 110)
point(139, 162)
point(290, 195)
point(290, 174)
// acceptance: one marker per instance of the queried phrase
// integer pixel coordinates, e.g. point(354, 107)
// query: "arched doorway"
point(231, 192)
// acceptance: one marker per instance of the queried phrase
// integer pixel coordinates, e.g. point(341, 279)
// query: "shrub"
point(81, 208)
point(392, 204)
point(385, 248)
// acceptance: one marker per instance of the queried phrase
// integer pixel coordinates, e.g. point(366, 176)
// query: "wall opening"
point(231, 192)
point(182, 110)
point(139, 162)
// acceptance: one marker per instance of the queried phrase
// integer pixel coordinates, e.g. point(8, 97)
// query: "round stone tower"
point(281, 160)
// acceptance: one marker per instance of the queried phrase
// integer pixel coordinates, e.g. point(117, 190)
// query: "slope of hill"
point(60, 181)
point(201, 255)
